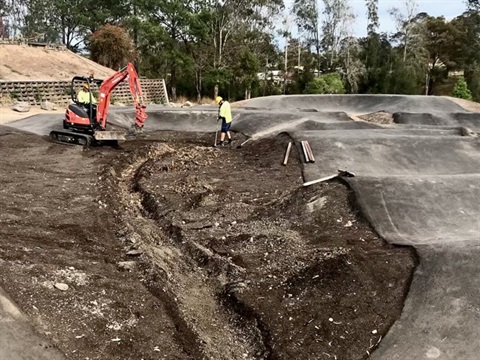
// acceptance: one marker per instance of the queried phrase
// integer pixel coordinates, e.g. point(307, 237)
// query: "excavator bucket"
point(109, 135)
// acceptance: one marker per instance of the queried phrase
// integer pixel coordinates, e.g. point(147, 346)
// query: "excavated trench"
point(190, 278)
point(248, 263)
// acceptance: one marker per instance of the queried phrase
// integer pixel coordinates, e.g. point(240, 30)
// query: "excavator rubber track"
point(71, 138)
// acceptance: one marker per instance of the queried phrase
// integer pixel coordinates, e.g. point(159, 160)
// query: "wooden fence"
point(58, 92)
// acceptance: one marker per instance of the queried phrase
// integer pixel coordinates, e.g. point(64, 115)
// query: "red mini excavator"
point(85, 123)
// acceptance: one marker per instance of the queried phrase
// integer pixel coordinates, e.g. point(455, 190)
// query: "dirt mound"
point(232, 259)
point(379, 117)
point(255, 266)
point(19, 62)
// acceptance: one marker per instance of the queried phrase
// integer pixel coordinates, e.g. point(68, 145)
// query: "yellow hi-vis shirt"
point(84, 97)
point(226, 112)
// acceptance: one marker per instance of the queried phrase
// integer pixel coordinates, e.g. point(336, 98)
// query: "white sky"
point(447, 8)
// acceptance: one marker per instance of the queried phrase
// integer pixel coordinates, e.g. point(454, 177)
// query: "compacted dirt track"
point(173, 249)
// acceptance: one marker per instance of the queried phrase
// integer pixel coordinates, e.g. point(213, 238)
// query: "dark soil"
point(235, 260)
point(380, 117)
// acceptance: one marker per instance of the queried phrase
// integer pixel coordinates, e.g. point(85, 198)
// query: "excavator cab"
point(81, 116)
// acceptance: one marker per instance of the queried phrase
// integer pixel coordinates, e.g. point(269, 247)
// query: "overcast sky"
point(447, 8)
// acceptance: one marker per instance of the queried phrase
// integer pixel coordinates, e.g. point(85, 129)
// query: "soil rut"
point(235, 261)
point(232, 257)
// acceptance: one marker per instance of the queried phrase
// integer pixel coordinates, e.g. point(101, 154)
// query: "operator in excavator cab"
point(83, 96)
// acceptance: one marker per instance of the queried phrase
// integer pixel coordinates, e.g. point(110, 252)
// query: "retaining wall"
point(58, 92)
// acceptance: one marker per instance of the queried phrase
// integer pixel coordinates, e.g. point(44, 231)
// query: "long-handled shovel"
point(216, 138)
point(341, 173)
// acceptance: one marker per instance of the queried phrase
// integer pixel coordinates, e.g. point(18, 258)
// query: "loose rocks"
point(61, 286)
point(22, 106)
point(48, 106)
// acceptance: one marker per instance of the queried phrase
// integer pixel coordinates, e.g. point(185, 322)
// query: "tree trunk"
point(318, 60)
point(197, 86)
point(299, 56)
point(135, 28)
point(265, 78)
point(220, 46)
point(286, 66)
point(215, 91)
point(173, 83)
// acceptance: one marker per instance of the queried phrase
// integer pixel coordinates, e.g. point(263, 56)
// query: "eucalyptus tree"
point(473, 5)
point(307, 17)
point(372, 16)
point(337, 22)
point(466, 53)
point(405, 24)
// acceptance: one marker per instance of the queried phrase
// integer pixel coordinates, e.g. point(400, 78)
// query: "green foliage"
point(307, 19)
point(377, 57)
point(472, 76)
point(326, 84)
point(337, 15)
point(473, 5)
point(247, 68)
point(221, 77)
point(467, 52)
point(38, 96)
point(300, 81)
point(4, 7)
point(111, 46)
point(202, 46)
point(372, 14)
point(68, 22)
point(461, 90)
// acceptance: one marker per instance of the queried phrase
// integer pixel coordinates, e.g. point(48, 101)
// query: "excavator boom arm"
point(110, 84)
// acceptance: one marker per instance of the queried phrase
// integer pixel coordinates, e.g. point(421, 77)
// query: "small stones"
point(135, 252)
point(348, 224)
point(465, 131)
point(61, 286)
point(208, 187)
point(127, 265)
